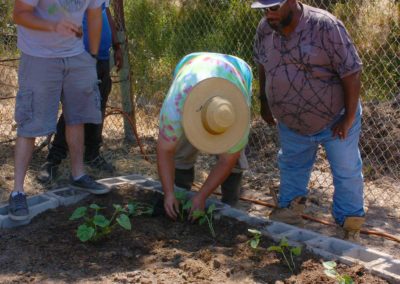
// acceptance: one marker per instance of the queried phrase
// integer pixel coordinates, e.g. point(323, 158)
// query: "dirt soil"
point(157, 250)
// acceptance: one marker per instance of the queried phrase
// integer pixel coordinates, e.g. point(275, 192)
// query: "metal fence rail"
point(159, 33)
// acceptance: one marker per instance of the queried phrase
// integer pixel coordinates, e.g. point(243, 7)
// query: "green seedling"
point(285, 249)
point(96, 226)
point(203, 216)
point(184, 203)
point(330, 271)
point(255, 240)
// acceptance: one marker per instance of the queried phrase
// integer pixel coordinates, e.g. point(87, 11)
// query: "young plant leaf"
point(78, 213)
point(296, 251)
point(254, 231)
point(331, 273)
point(284, 242)
point(211, 208)
point(329, 265)
point(118, 207)
point(101, 221)
point(275, 248)
point(198, 213)
point(94, 206)
point(132, 208)
point(85, 233)
point(347, 279)
point(254, 243)
point(180, 195)
point(187, 205)
point(124, 222)
point(202, 221)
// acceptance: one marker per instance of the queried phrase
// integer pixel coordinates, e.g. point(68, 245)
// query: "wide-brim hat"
point(265, 3)
point(215, 115)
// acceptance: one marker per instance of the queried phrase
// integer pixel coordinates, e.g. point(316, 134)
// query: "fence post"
point(127, 96)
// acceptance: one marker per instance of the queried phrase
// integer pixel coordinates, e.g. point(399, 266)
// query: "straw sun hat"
point(215, 116)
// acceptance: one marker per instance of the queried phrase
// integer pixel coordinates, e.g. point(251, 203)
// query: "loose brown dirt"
point(157, 250)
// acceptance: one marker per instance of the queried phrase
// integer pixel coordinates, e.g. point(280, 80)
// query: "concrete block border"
point(378, 263)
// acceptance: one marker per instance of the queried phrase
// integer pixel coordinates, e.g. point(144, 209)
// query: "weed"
point(284, 248)
point(330, 271)
point(203, 216)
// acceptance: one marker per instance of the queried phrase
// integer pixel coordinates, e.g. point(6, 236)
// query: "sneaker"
point(48, 172)
point(86, 183)
point(99, 163)
point(18, 207)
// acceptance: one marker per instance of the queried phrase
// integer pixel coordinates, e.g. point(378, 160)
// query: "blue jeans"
point(296, 159)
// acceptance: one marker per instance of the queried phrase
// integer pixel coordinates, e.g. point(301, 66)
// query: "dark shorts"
point(44, 82)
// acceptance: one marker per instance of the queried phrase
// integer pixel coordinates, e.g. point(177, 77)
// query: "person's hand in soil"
point(198, 203)
point(171, 205)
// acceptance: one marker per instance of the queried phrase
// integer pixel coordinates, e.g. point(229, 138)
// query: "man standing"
point(93, 132)
point(54, 66)
point(310, 83)
point(206, 109)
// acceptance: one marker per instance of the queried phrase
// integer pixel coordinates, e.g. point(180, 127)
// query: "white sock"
point(14, 193)
point(78, 177)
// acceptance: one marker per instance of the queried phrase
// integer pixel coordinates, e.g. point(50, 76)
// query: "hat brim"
point(193, 127)
point(258, 5)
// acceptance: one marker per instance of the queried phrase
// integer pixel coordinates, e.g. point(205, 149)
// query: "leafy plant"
point(203, 216)
point(330, 271)
point(96, 226)
point(184, 203)
point(286, 250)
point(255, 241)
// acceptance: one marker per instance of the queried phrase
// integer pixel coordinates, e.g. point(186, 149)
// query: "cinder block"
point(67, 196)
point(256, 221)
point(300, 235)
point(366, 256)
point(134, 178)
point(390, 270)
point(232, 213)
point(278, 228)
point(112, 181)
point(37, 204)
point(331, 245)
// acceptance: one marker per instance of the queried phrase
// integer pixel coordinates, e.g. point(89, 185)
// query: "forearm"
point(351, 87)
point(219, 173)
point(114, 35)
point(262, 95)
point(31, 21)
point(166, 168)
point(94, 18)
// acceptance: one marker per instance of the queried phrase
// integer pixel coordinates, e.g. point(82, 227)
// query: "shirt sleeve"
point(344, 57)
point(95, 4)
point(107, 3)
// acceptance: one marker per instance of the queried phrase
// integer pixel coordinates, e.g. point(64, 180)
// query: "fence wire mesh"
point(156, 34)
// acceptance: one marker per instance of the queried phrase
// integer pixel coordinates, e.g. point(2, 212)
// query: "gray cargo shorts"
point(44, 82)
point(186, 156)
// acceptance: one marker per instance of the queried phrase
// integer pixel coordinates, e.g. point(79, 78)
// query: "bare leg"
point(75, 137)
point(22, 157)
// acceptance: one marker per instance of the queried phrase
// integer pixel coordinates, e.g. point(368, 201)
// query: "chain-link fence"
point(159, 33)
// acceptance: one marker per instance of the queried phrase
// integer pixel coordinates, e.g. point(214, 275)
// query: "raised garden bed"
point(156, 250)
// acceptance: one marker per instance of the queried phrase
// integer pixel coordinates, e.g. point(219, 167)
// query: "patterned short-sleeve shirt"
point(192, 69)
point(304, 70)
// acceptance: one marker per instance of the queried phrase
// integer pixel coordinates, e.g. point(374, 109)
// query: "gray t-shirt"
point(304, 70)
point(51, 44)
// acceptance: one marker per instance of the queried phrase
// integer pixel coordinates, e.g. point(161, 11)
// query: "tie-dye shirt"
point(50, 44)
point(192, 69)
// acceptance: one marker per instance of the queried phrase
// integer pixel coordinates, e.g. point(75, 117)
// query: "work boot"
point(99, 163)
point(48, 172)
point(231, 189)
point(184, 178)
point(292, 214)
point(352, 227)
